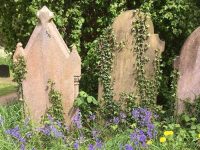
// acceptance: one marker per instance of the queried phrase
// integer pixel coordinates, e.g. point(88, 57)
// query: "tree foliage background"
point(82, 21)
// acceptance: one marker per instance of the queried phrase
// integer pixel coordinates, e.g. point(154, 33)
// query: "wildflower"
point(98, 143)
point(92, 117)
point(28, 134)
point(55, 131)
point(162, 139)
point(116, 120)
point(128, 147)
point(138, 137)
point(59, 124)
point(22, 147)
point(77, 119)
point(149, 142)
point(1, 120)
point(45, 130)
point(14, 132)
point(50, 118)
point(95, 133)
point(167, 133)
point(122, 115)
point(76, 145)
point(91, 147)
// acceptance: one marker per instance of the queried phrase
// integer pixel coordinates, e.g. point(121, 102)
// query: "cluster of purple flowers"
point(15, 132)
point(51, 129)
point(98, 145)
point(143, 118)
point(138, 137)
point(121, 118)
point(77, 119)
point(128, 147)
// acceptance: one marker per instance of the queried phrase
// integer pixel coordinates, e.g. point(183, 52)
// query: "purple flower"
point(91, 147)
point(59, 124)
point(50, 118)
point(95, 133)
point(138, 137)
point(77, 119)
point(116, 120)
point(1, 120)
point(28, 134)
point(92, 117)
point(76, 145)
point(45, 130)
point(55, 131)
point(99, 143)
point(128, 147)
point(122, 115)
point(14, 132)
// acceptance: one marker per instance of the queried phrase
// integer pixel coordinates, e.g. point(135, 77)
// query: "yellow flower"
point(167, 133)
point(149, 142)
point(162, 139)
point(198, 135)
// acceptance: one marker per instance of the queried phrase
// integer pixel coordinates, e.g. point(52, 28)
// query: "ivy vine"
point(55, 98)
point(19, 70)
point(107, 45)
point(147, 88)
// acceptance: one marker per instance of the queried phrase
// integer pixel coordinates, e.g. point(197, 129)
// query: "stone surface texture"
point(124, 65)
point(188, 65)
point(48, 58)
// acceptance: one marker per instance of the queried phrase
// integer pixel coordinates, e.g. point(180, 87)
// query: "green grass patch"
point(7, 89)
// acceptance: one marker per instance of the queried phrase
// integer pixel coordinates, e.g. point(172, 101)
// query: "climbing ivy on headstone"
point(147, 88)
point(19, 72)
point(105, 50)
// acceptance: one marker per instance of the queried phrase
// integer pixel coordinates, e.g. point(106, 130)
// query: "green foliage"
point(147, 87)
point(5, 58)
point(106, 47)
point(88, 105)
point(19, 73)
point(55, 98)
point(173, 20)
point(193, 109)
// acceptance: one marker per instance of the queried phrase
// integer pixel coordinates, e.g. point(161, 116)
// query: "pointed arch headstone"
point(48, 58)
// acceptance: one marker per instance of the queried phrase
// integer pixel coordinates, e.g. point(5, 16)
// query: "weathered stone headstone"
point(4, 71)
point(48, 58)
point(124, 64)
point(188, 65)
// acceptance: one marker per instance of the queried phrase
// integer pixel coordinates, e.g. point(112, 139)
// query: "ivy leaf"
point(83, 94)
point(89, 99)
point(79, 101)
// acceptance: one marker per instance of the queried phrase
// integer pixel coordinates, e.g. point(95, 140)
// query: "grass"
point(7, 89)
point(7, 86)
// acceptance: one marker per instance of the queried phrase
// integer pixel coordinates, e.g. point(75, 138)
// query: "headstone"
point(124, 64)
point(48, 58)
point(4, 71)
point(188, 65)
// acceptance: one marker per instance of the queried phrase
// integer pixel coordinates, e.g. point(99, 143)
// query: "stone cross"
point(188, 65)
point(48, 58)
point(123, 74)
